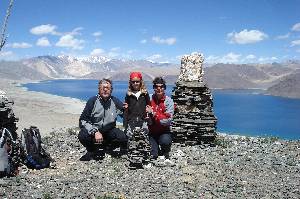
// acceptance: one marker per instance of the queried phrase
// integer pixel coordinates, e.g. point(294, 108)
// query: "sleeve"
point(119, 106)
point(165, 118)
point(125, 115)
point(85, 117)
point(148, 101)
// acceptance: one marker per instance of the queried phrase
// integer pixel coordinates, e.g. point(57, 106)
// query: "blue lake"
point(243, 112)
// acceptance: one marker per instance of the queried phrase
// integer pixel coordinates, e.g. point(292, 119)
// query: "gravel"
point(235, 167)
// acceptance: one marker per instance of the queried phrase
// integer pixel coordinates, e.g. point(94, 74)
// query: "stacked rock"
point(7, 116)
point(194, 121)
point(138, 149)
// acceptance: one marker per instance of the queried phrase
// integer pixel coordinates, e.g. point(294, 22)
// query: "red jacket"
point(163, 111)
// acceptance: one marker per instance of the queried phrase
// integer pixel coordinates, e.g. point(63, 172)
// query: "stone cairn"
point(7, 116)
point(194, 121)
point(138, 149)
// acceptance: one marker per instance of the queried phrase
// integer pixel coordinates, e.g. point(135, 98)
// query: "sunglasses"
point(155, 86)
point(135, 82)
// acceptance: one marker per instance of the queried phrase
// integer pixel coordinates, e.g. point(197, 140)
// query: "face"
point(105, 90)
point(159, 90)
point(135, 84)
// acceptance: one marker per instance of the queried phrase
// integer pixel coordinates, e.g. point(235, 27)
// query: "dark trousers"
point(114, 137)
point(160, 143)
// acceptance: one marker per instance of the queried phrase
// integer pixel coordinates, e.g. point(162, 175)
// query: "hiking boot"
point(99, 155)
point(169, 162)
point(87, 157)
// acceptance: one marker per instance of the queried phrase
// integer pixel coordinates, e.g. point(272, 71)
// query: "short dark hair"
point(159, 80)
point(105, 80)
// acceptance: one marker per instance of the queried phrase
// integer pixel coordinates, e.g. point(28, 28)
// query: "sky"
point(231, 31)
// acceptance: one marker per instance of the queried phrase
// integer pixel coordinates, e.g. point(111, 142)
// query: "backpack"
point(9, 154)
point(34, 155)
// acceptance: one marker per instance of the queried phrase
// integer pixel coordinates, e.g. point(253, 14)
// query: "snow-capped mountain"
point(65, 66)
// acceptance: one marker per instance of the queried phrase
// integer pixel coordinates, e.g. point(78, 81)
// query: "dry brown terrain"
point(47, 112)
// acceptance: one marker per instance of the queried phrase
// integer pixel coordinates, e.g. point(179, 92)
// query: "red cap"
point(134, 75)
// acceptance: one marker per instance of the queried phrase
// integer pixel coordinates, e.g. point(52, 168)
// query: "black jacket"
point(136, 111)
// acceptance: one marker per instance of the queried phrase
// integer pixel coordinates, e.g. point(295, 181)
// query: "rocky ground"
point(236, 167)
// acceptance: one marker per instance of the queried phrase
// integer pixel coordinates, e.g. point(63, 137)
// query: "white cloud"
point(131, 51)
point(231, 58)
point(70, 41)
point(154, 58)
point(287, 35)
point(20, 45)
point(212, 59)
point(228, 58)
point(5, 54)
point(97, 52)
point(238, 58)
point(112, 54)
point(267, 59)
point(168, 41)
point(246, 37)
point(44, 29)
point(44, 42)
point(250, 56)
point(143, 41)
point(295, 43)
point(115, 49)
point(75, 31)
point(97, 34)
point(296, 27)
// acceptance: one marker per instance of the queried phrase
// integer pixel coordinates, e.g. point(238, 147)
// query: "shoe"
point(87, 157)
point(148, 166)
point(168, 162)
point(161, 158)
point(99, 155)
point(134, 166)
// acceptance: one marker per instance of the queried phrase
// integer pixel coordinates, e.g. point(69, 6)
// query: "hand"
point(149, 109)
point(125, 105)
point(98, 137)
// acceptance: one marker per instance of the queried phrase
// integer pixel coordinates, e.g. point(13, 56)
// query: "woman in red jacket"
point(161, 111)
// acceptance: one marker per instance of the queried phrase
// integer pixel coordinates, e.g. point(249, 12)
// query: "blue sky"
point(234, 31)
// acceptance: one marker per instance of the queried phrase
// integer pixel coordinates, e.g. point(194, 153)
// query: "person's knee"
point(121, 136)
point(165, 140)
point(83, 136)
point(116, 135)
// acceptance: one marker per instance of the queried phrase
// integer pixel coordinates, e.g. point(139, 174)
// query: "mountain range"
point(281, 79)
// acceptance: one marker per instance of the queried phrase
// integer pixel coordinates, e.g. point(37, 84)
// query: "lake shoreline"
point(236, 110)
point(46, 111)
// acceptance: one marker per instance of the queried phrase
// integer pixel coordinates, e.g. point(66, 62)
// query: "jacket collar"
point(156, 99)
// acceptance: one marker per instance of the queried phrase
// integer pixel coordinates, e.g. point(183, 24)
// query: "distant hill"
point(18, 71)
point(289, 86)
point(223, 76)
point(243, 76)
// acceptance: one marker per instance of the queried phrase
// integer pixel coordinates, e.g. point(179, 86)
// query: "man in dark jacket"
point(98, 123)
